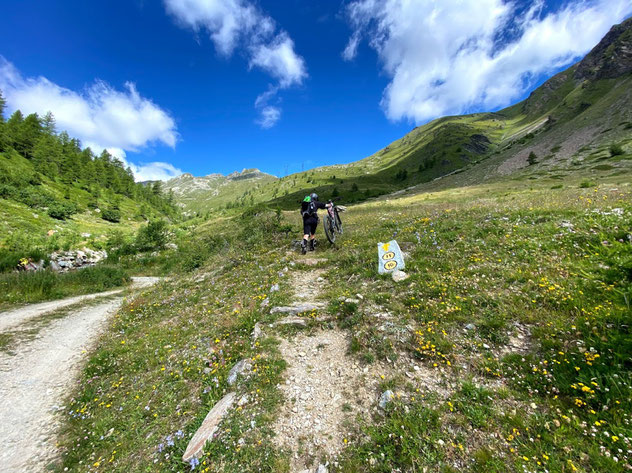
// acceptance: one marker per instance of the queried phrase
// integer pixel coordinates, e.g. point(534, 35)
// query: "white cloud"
point(269, 116)
point(280, 61)
point(156, 171)
point(100, 116)
point(239, 24)
point(153, 171)
point(446, 57)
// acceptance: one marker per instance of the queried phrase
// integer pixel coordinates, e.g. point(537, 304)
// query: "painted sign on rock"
point(390, 257)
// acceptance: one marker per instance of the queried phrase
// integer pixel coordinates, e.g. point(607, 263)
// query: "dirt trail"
point(14, 317)
point(34, 381)
point(324, 389)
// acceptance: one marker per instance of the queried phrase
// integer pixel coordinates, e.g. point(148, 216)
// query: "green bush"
point(61, 210)
point(152, 236)
point(616, 150)
point(532, 159)
point(401, 175)
point(111, 215)
point(585, 184)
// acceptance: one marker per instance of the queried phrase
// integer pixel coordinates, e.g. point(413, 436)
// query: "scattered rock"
point(399, 276)
point(297, 321)
point(67, 260)
point(274, 288)
point(470, 327)
point(256, 333)
point(236, 370)
point(208, 427)
point(386, 397)
point(352, 301)
point(322, 469)
point(297, 309)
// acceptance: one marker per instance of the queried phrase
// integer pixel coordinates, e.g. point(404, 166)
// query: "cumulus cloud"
point(156, 171)
point(100, 116)
point(239, 24)
point(450, 57)
point(279, 59)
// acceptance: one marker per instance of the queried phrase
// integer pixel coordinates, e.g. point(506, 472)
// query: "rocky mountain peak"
point(611, 58)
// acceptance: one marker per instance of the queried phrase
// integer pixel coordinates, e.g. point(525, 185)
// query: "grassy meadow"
point(37, 286)
point(516, 311)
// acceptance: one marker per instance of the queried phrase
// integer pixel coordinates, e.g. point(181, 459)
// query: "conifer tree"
point(49, 124)
point(3, 138)
point(3, 104)
point(31, 131)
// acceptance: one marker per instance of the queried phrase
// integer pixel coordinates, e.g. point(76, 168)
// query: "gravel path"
point(35, 380)
point(324, 387)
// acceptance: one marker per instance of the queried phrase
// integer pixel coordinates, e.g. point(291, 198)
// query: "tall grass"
point(36, 286)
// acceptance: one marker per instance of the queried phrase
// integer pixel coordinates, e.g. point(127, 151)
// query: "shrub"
point(616, 150)
point(152, 236)
point(111, 215)
point(61, 210)
point(7, 191)
point(532, 159)
point(585, 184)
point(401, 175)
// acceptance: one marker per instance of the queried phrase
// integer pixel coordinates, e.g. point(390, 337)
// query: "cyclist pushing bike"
point(309, 211)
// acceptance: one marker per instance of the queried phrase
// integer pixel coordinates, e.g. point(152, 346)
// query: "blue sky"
point(170, 82)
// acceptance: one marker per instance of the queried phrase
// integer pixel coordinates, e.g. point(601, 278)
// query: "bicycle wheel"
point(329, 229)
point(338, 223)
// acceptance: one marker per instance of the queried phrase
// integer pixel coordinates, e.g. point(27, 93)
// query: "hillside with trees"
point(54, 192)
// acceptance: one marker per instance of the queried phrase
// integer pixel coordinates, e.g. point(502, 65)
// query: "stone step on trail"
point(298, 308)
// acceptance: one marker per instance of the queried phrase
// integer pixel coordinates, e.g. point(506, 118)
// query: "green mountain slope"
point(569, 124)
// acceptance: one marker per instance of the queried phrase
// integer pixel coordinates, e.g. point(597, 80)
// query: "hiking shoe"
point(311, 245)
point(303, 247)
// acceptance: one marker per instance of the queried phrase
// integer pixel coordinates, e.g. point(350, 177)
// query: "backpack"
point(310, 209)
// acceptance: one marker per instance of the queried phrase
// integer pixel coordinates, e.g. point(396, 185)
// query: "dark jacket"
point(305, 206)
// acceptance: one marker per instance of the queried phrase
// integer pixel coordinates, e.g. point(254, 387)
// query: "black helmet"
point(314, 196)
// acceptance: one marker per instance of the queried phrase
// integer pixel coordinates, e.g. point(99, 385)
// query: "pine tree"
point(532, 159)
point(3, 139)
point(47, 155)
point(3, 104)
point(30, 133)
point(13, 128)
point(157, 188)
point(49, 124)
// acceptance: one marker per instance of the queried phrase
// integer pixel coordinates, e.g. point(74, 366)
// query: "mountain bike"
point(333, 223)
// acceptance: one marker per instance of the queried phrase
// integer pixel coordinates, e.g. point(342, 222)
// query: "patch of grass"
point(36, 286)
point(405, 440)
